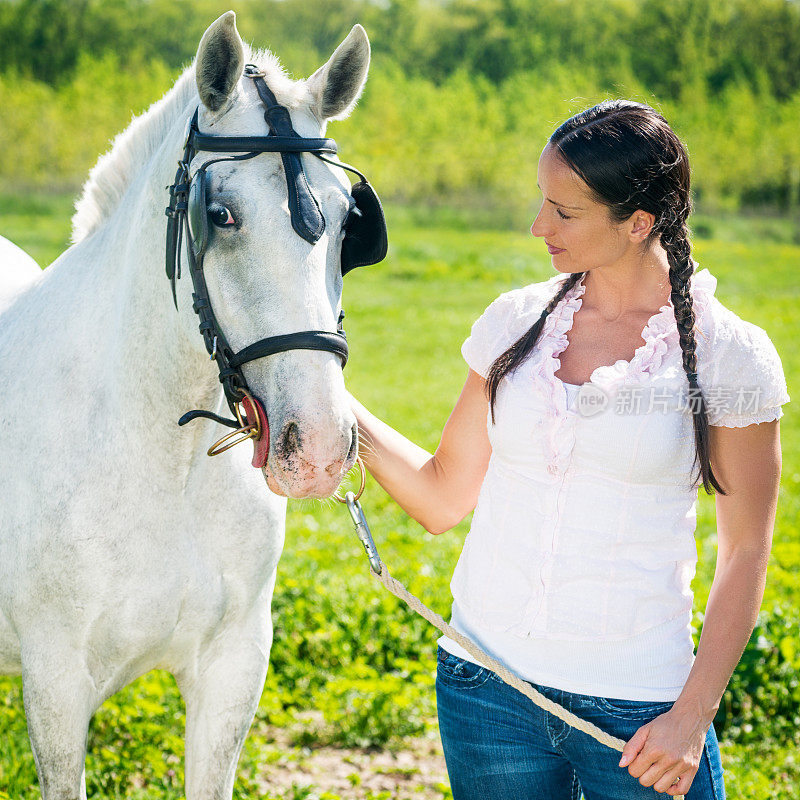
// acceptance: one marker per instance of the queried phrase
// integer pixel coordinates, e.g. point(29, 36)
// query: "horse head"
point(268, 228)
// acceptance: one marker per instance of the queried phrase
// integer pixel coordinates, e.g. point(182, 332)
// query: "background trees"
point(463, 93)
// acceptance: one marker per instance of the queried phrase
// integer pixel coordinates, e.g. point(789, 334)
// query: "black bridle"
point(365, 240)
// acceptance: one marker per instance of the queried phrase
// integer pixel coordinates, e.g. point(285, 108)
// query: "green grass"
point(345, 648)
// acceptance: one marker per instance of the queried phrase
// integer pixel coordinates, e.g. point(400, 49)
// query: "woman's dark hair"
point(631, 159)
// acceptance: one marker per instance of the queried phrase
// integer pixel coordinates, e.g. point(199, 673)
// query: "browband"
point(257, 144)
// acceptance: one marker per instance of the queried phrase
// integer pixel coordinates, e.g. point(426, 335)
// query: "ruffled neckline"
point(660, 336)
point(659, 332)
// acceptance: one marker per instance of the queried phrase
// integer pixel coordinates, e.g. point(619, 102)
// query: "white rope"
point(400, 591)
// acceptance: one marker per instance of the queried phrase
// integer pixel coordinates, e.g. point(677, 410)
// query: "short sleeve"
point(750, 385)
point(480, 348)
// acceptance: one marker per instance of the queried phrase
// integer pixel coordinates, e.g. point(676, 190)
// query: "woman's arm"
point(437, 490)
point(747, 462)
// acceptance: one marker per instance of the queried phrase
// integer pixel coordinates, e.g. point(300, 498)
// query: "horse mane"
point(131, 149)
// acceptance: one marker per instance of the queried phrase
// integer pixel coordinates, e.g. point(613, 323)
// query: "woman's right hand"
point(437, 490)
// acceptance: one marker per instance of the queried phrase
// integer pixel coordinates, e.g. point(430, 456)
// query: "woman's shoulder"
point(739, 368)
point(725, 335)
point(525, 301)
point(505, 319)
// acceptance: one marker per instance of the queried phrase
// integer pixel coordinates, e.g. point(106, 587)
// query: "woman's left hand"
point(667, 748)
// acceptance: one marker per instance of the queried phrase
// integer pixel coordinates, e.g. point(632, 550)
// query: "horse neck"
point(162, 369)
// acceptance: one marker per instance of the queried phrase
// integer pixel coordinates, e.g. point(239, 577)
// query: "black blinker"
point(365, 240)
point(197, 213)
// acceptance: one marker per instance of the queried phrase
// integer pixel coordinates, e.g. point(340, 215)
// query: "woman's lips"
point(553, 250)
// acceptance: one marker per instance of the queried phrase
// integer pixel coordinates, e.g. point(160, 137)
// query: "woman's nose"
point(537, 228)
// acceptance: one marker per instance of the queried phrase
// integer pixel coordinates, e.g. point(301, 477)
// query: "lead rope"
point(380, 571)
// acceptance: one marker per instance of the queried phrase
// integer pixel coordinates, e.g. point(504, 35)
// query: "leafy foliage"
point(463, 93)
point(671, 45)
point(763, 697)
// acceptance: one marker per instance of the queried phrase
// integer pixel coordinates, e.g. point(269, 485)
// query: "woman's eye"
point(220, 215)
point(563, 216)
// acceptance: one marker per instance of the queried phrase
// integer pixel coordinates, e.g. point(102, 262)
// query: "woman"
point(589, 401)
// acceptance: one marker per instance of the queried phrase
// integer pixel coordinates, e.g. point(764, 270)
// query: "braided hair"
point(630, 158)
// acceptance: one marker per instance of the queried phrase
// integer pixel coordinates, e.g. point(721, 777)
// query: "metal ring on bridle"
point(360, 464)
point(244, 433)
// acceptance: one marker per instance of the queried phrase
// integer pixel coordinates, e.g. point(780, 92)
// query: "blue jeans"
point(498, 744)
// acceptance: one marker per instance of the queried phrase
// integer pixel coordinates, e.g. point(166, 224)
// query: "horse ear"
point(220, 61)
point(337, 85)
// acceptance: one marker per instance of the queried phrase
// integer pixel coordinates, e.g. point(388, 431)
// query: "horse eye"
point(220, 215)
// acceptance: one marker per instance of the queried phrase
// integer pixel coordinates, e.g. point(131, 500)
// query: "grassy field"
point(349, 692)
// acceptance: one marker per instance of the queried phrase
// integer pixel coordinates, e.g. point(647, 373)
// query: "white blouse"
point(577, 568)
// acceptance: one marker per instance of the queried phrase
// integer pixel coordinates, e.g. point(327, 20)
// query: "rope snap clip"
point(360, 521)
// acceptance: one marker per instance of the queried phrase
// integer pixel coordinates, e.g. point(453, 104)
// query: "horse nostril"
point(353, 442)
point(334, 469)
point(289, 441)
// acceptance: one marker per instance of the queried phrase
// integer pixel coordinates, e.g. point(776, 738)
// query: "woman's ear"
point(641, 223)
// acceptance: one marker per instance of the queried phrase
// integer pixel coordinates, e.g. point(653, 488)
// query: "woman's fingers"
point(682, 786)
point(633, 747)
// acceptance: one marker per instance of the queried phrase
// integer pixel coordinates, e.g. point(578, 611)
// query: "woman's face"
point(577, 230)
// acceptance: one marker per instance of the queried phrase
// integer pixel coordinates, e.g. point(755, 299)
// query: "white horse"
point(123, 547)
point(18, 272)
